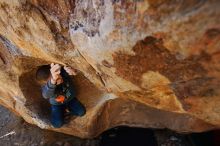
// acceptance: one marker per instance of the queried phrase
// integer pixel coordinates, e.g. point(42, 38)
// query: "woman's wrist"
point(53, 81)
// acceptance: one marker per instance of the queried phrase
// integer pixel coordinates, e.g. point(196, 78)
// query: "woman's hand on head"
point(55, 70)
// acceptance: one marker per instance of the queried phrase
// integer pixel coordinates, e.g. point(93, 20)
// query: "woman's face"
point(59, 80)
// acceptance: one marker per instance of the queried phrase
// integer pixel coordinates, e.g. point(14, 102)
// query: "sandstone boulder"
point(146, 63)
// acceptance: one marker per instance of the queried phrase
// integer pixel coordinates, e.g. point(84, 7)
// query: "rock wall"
point(142, 63)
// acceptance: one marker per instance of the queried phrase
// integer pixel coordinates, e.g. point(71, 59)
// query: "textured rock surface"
point(25, 134)
point(147, 63)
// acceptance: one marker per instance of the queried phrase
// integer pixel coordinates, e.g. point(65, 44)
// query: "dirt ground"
point(24, 134)
point(14, 131)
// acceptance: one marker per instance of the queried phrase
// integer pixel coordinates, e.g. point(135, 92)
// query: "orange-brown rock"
point(144, 63)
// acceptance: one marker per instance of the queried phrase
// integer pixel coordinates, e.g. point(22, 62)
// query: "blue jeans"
point(57, 111)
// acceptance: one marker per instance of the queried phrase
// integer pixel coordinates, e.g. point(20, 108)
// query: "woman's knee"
point(77, 108)
point(81, 112)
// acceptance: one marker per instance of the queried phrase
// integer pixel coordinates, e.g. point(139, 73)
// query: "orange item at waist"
point(60, 98)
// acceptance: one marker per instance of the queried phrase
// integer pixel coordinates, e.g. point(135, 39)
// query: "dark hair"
point(43, 72)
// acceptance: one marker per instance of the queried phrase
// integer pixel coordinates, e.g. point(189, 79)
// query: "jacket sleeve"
point(71, 86)
point(48, 90)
